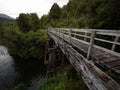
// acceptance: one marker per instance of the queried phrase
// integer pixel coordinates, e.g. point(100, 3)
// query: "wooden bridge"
point(88, 48)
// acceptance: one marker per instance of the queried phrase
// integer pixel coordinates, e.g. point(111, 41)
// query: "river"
point(13, 72)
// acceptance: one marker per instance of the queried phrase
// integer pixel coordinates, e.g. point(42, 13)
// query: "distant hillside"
point(4, 17)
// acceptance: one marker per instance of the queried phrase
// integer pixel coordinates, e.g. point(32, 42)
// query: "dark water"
point(13, 72)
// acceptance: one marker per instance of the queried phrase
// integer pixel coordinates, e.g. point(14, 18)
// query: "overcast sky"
point(41, 7)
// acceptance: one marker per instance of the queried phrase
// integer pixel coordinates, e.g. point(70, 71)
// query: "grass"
point(65, 79)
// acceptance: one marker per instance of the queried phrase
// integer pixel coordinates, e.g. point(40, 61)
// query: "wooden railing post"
point(91, 43)
point(59, 31)
point(56, 32)
point(70, 36)
point(63, 34)
point(85, 36)
point(75, 34)
point(114, 45)
point(58, 35)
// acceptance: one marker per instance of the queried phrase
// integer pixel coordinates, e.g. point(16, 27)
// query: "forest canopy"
point(23, 37)
point(97, 14)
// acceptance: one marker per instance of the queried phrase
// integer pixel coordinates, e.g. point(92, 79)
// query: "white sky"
point(41, 7)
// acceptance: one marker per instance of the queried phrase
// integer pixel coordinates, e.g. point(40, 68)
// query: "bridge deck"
point(99, 55)
point(73, 48)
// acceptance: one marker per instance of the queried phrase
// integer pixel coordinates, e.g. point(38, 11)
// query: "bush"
point(28, 45)
point(66, 79)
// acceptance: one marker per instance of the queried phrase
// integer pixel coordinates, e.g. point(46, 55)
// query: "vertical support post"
point(85, 37)
point(63, 39)
point(114, 45)
point(70, 36)
point(56, 31)
point(63, 60)
point(53, 30)
point(58, 35)
point(59, 31)
point(91, 43)
point(74, 34)
point(63, 34)
point(51, 61)
point(46, 51)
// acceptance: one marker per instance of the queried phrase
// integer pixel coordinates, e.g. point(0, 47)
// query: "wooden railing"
point(89, 36)
point(94, 78)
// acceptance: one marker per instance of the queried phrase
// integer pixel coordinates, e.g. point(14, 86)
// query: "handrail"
point(91, 34)
point(93, 77)
point(98, 31)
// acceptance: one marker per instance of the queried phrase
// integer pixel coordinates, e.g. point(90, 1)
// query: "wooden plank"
point(111, 59)
point(104, 63)
point(93, 77)
point(112, 42)
point(113, 64)
point(76, 43)
point(91, 44)
point(117, 33)
point(116, 69)
point(85, 36)
point(92, 70)
point(99, 31)
point(104, 31)
point(82, 45)
point(114, 45)
point(100, 56)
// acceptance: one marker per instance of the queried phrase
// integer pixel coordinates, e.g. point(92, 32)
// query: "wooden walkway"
point(78, 45)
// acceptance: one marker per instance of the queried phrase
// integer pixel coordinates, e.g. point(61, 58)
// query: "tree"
point(27, 22)
point(1, 30)
point(35, 23)
point(44, 22)
point(105, 14)
point(55, 12)
point(101, 14)
point(24, 22)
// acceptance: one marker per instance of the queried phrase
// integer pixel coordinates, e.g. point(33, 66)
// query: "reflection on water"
point(7, 71)
point(12, 72)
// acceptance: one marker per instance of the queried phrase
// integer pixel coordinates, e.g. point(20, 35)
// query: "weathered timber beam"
point(93, 76)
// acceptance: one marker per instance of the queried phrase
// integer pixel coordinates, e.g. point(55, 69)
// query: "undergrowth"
point(65, 79)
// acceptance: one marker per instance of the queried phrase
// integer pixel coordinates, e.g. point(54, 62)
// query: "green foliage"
point(34, 21)
point(82, 22)
point(44, 22)
point(55, 12)
point(66, 79)
point(4, 26)
point(24, 22)
point(29, 45)
point(24, 40)
point(19, 87)
point(25, 45)
point(102, 14)
point(54, 15)
point(27, 22)
point(1, 29)
point(33, 45)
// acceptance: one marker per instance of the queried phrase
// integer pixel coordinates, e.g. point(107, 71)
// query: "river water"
point(13, 72)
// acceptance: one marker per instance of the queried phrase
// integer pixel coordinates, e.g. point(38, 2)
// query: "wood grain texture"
point(94, 78)
point(97, 54)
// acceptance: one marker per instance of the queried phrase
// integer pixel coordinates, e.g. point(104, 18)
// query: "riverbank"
point(19, 73)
